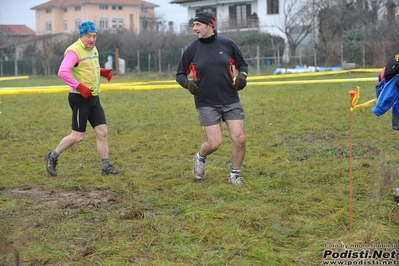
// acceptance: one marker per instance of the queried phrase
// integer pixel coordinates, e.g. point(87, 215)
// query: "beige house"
point(64, 16)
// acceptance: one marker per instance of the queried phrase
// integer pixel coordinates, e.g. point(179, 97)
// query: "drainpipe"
point(81, 8)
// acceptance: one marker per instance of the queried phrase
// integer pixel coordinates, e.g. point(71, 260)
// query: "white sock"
point(234, 172)
point(199, 157)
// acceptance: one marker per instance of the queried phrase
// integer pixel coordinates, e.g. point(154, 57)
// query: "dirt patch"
point(63, 199)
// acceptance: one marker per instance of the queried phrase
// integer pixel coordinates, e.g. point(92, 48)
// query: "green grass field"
point(294, 203)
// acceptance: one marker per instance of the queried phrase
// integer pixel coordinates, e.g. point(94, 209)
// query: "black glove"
point(192, 87)
point(241, 81)
point(391, 68)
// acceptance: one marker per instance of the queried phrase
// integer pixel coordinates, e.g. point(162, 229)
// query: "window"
point(207, 9)
point(117, 23)
point(117, 7)
point(65, 10)
point(103, 7)
point(241, 14)
point(144, 10)
point(48, 10)
point(77, 8)
point(273, 7)
point(77, 23)
point(104, 23)
point(48, 27)
point(65, 25)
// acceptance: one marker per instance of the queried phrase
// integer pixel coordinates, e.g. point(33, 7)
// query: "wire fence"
point(359, 54)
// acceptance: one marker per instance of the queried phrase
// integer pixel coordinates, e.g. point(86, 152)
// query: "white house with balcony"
point(247, 15)
point(260, 15)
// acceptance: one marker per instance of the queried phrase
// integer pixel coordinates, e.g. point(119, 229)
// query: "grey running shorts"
point(212, 115)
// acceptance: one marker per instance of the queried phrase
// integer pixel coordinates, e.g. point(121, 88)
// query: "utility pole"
point(314, 35)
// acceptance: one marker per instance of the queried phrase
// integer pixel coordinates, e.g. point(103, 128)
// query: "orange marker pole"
point(352, 94)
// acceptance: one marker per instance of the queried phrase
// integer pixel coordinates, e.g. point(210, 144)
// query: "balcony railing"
point(227, 25)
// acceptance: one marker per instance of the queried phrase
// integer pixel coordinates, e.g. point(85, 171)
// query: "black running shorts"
point(85, 110)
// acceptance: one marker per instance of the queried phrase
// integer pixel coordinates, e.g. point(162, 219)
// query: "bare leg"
point(236, 128)
point(102, 147)
point(214, 140)
point(68, 141)
point(102, 140)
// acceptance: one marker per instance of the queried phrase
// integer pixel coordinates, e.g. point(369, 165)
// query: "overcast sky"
point(18, 12)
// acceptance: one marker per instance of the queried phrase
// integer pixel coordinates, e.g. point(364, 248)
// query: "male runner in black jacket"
point(210, 59)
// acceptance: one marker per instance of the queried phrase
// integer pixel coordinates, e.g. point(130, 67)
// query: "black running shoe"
point(111, 170)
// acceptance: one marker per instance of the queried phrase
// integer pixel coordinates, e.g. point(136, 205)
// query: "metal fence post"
point(15, 66)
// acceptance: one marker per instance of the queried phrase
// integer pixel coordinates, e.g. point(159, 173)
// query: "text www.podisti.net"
point(359, 257)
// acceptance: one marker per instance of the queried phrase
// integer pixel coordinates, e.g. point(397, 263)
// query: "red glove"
point(106, 73)
point(84, 91)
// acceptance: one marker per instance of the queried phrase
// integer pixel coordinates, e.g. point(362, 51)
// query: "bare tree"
point(336, 18)
point(297, 22)
point(47, 47)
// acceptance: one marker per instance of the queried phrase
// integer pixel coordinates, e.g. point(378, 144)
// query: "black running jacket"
point(210, 61)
